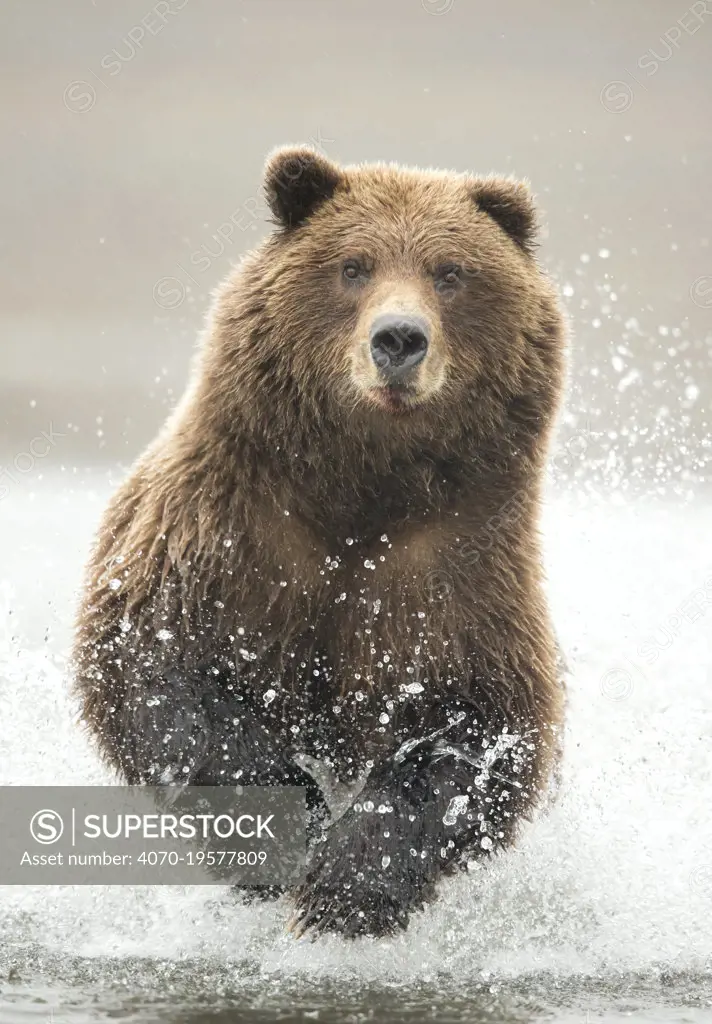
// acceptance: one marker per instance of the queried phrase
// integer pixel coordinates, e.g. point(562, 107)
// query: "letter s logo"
point(46, 827)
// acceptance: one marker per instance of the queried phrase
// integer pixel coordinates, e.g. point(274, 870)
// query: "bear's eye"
point(448, 276)
point(353, 270)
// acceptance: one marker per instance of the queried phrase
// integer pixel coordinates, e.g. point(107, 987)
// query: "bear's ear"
point(297, 180)
point(510, 203)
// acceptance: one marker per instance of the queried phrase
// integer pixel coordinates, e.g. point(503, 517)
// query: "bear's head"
point(396, 303)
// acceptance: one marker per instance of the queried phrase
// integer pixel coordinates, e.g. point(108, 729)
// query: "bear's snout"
point(398, 345)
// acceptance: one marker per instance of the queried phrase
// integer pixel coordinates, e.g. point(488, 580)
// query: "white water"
point(616, 877)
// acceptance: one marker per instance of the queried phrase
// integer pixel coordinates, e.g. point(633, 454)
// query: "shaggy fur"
point(371, 557)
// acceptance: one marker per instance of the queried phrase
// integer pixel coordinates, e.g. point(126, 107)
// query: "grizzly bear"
point(330, 556)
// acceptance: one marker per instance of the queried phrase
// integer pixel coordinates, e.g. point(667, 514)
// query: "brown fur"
point(292, 518)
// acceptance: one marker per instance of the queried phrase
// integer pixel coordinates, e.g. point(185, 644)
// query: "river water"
point(602, 912)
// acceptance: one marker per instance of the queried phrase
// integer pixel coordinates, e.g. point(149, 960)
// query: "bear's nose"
point(398, 345)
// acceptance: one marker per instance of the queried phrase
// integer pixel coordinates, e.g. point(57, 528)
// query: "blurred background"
point(134, 136)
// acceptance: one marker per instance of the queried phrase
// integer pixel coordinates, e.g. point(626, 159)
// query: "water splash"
point(613, 877)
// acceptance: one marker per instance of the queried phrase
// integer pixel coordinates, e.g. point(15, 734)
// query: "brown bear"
point(330, 555)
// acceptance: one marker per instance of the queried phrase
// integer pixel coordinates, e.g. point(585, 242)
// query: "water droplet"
point(456, 807)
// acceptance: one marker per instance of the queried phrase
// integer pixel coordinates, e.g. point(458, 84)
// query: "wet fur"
point(284, 533)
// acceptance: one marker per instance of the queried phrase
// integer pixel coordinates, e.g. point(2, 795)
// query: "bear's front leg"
point(452, 791)
point(197, 728)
